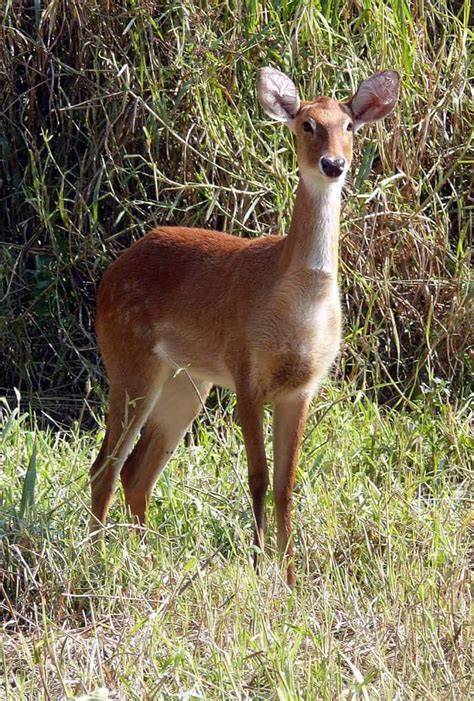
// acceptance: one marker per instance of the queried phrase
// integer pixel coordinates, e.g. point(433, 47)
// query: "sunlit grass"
point(380, 611)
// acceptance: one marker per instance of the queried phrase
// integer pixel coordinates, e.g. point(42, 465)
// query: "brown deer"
point(183, 309)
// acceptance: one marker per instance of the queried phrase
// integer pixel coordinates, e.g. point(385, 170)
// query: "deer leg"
point(179, 402)
point(288, 424)
point(250, 410)
point(129, 409)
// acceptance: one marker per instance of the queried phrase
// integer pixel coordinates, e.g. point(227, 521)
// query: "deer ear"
point(375, 98)
point(278, 95)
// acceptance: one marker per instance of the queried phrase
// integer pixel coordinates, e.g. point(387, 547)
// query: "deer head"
point(324, 127)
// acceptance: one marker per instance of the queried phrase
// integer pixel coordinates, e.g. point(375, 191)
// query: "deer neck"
point(313, 238)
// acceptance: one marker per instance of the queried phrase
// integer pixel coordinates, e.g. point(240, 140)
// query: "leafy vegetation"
point(118, 116)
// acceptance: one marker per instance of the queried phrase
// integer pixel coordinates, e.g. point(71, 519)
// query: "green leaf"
point(28, 491)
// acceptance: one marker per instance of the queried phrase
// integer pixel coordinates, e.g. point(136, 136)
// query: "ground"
point(380, 611)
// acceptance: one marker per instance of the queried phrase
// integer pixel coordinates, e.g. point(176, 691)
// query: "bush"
point(119, 116)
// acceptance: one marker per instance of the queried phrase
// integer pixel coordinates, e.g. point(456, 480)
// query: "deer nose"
point(332, 167)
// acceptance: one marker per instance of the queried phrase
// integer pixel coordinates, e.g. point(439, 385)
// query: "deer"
point(184, 309)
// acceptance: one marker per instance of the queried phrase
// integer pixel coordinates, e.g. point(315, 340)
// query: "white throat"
point(325, 199)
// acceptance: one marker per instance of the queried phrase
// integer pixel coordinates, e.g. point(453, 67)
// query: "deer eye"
point(308, 127)
point(349, 126)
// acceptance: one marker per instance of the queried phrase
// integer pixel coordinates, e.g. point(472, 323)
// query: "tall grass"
point(119, 116)
point(382, 605)
point(115, 117)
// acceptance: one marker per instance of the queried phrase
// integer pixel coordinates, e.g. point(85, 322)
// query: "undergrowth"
point(118, 116)
point(383, 516)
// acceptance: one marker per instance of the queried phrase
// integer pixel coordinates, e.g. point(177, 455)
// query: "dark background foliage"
point(115, 117)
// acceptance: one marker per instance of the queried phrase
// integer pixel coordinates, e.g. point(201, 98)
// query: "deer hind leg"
point(288, 424)
point(178, 404)
point(129, 408)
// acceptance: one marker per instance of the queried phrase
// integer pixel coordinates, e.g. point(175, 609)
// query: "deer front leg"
point(250, 410)
point(288, 423)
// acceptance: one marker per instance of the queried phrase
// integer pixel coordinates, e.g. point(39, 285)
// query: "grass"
point(383, 514)
point(118, 116)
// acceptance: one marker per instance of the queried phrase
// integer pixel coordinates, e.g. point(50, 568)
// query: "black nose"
point(332, 167)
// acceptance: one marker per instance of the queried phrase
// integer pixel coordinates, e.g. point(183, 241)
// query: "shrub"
point(119, 116)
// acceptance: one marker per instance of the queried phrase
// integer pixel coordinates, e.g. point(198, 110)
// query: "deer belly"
point(199, 361)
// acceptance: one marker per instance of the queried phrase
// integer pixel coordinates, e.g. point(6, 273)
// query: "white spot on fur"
point(161, 350)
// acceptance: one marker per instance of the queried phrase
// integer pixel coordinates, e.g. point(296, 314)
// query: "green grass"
point(383, 512)
point(116, 117)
